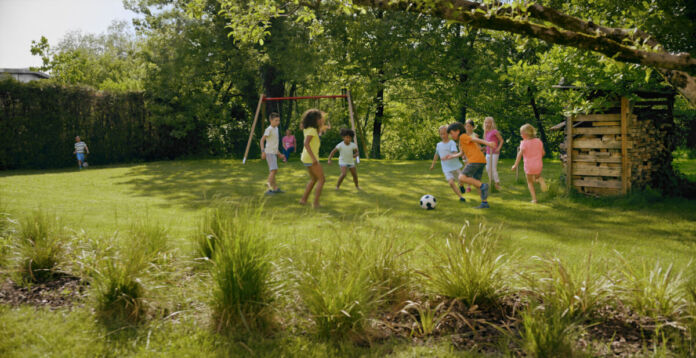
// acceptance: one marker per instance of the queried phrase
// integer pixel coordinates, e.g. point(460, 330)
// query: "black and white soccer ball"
point(428, 202)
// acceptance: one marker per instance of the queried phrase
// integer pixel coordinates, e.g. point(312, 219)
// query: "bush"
point(467, 267)
point(243, 289)
point(40, 245)
point(579, 290)
point(119, 292)
point(547, 332)
point(654, 292)
point(212, 228)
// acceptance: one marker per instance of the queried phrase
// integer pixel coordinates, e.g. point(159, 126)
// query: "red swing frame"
point(263, 99)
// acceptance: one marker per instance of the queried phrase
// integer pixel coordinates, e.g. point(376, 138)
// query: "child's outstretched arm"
point(332, 154)
point(307, 140)
point(262, 143)
point(517, 160)
point(484, 142)
point(452, 156)
point(435, 157)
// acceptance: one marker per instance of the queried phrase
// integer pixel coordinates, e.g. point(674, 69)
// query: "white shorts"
point(453, 174)
point(272, 161)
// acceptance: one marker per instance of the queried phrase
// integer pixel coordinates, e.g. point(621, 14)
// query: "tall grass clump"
point(342, 287)
point(118, 288)
point(40, 244)
point(654, 291)
point(580, 290)
point(547, 331)
point(468, 267)
point(119, 278)
point(151, 239)
point(212, 228)
point(243, 286)
point(388, 269)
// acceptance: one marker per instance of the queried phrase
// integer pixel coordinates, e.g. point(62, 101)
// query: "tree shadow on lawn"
point(396, 187)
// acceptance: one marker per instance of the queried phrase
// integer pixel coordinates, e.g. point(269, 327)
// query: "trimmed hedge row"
point(39, 121)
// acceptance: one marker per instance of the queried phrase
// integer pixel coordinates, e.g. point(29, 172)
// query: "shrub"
point(337, 286)
point(467, 267)
point(212, 227)
point(547, 332)
point(578, 290)
point(119, 292)
point(388, 270)
point(40, 245)
point(654, 292)
point(243, 288)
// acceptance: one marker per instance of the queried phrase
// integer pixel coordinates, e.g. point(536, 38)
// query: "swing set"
point(263, 99)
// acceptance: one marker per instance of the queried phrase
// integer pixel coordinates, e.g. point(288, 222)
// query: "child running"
point(347, 150)
point(491, 134)
point(475, 160)
point(80, 149)
point(532, 149)
point(269, 151)
point(452, 168)
point(469, 126)
point(312, 123)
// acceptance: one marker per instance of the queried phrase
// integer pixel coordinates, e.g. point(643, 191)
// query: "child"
point(475, 160)
point(491, 134)
point(470, 126)
point(269, 151)
point(312, 122)
point(532, 149)
point(289, 144)
point(451, 167)
point(80, 149)
point(347, 150)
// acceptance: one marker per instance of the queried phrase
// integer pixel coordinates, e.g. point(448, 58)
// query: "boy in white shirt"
point(348, 151)
point(80, 149)
point(451, 167)
point(269, 151)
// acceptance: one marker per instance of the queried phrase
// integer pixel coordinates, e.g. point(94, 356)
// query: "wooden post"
point(253, 126)
point(352, 121)
point(569, 152)
point(624, 146)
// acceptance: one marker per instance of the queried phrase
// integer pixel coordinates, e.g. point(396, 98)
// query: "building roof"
point(24, 71)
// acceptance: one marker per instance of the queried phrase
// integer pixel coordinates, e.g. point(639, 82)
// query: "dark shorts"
point(474, 170)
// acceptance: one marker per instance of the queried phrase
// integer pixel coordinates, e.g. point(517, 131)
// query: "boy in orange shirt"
point(476, 161)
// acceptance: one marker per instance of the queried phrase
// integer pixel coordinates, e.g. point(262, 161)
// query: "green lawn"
point(102, 201)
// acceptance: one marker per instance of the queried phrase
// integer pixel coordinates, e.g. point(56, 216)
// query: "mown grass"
point(342, 266)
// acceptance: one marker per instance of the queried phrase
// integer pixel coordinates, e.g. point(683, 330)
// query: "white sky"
point(22, 21)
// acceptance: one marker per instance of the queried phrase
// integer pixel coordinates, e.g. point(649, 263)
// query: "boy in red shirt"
point(476, 161)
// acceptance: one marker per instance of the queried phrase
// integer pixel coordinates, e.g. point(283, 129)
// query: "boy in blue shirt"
point(451, 167)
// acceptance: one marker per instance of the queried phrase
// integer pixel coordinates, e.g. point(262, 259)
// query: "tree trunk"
point(540, 125)
point(377, 124)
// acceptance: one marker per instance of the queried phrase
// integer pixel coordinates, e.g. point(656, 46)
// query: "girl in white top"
point(346, 160)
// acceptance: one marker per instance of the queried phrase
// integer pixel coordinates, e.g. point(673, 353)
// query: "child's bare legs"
point(470, 181)
point(542, 183)
point(319, 174)
point(531, 178)
point(455, 188)
point(309, 187)
point(272, 180)
point(354, 172)
point(344, 171)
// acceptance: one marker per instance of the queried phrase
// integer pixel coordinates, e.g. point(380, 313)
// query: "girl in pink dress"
point(532, 149)
point(491, 134)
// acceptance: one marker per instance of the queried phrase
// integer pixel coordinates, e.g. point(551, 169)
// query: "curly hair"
point(311, 117)
point(347, 132)
point(456, 126)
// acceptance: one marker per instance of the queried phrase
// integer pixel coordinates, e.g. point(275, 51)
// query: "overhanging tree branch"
point(624, 45)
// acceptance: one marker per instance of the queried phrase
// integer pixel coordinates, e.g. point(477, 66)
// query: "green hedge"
point(39, 121)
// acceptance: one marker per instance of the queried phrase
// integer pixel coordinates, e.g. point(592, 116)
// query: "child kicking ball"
point(452, 168)
point(348, 151)
point(476, 161)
